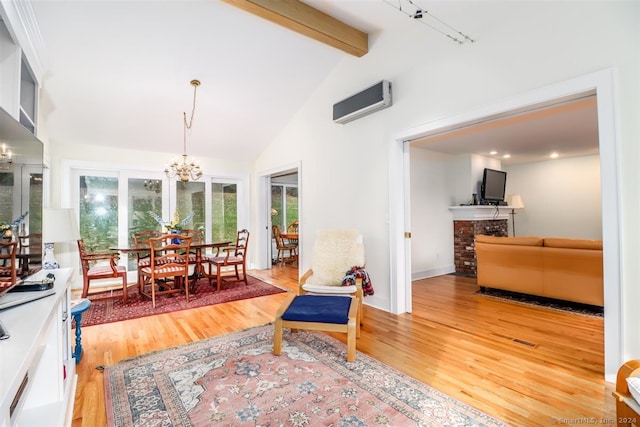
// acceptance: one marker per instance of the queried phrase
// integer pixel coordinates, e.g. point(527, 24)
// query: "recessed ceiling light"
point(493, 153)
point(554, 155)
point(506, 156)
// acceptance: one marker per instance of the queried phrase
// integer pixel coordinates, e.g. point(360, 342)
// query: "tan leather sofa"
point(627, 407)
point(566, 269)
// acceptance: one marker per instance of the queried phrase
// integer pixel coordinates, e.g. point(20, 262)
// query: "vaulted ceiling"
point(117, 73)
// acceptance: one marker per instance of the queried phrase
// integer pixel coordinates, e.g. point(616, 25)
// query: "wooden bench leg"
point(351, 340)
point(353, 330)
point(277, 337)
point(277, 326)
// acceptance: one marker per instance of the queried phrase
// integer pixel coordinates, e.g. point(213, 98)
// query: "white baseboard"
point(433, 272)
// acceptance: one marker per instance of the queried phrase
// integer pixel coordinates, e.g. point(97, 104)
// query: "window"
point(6, 197)
point(284, 205)
point(224, 215)
point(98, 212)
point(191, 201)
point(113, 205)
point(144, 196)
point(34, 220)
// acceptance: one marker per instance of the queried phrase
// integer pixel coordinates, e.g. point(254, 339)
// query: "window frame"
point(70, 196)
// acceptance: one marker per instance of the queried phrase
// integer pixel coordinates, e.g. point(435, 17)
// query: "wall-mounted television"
point(493, 185)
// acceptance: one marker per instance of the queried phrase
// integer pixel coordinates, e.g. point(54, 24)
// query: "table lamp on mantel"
point(58, 225)
point(515, 202)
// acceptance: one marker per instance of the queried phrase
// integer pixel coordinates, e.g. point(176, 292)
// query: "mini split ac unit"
point(363, 103)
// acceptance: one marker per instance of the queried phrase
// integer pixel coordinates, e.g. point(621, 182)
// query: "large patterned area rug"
point(235, 380)
point(107, 311)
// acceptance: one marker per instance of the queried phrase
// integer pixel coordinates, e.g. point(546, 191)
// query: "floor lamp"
point(515, 202)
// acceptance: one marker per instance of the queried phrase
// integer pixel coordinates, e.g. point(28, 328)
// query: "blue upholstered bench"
point(327, 313)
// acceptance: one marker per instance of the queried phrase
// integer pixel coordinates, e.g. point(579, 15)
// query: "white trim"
point(603, 82)
point(433, 272)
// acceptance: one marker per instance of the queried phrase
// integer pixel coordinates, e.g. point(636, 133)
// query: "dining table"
point(197, 247)
point(291, 237)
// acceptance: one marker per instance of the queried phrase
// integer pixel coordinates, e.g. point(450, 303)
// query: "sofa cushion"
point(557, 242)
point(634, 387)
point(519, 241)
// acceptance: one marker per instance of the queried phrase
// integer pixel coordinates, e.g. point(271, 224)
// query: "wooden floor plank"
point(472, 347)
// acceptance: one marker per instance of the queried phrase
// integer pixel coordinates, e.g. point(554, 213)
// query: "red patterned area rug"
point(107, 311)
point(235, 380)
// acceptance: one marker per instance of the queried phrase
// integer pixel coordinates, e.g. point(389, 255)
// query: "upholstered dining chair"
point(334, 253)
point(232, 257)
point(98, 266)
point(141, 240)
point(8, 274)
point(168, 271)
point(286, 251)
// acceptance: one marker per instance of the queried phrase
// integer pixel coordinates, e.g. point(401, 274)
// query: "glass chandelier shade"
point(5, 158)
point(184, 168)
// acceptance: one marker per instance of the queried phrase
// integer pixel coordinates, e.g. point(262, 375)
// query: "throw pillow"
point(634, 387)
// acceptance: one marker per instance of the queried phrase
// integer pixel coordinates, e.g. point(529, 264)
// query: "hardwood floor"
point(524, 365)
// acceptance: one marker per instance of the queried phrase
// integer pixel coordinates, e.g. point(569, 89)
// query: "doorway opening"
point(400, 222)
point(284, 218)
point(280, 205)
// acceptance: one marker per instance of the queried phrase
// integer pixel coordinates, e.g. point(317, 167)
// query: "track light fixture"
point(415, 11)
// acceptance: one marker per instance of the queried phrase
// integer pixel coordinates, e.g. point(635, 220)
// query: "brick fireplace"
point(469, 221)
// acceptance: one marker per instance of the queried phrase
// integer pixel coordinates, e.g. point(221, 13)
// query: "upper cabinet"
point(20, 68)
point(21, 153)
point(28, 98)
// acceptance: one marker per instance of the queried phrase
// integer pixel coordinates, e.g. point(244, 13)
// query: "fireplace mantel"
point(479, 212)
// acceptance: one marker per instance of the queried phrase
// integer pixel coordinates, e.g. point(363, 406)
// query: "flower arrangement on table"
point(5, 229)
point(175, 225)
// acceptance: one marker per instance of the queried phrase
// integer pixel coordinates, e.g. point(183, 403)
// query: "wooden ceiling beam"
point(304, 19)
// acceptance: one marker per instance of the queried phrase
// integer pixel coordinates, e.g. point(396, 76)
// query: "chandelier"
point(5, 158)
point(183, 168)
point(154, 185)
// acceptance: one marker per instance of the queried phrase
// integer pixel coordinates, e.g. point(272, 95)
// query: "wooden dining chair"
point(168, 271)
point(284, 247)
point(141, 241)
point(293, 227)
point(32, 262)
point(99, 266)
point(8, 274)
point(234, 256)
point(195, 262)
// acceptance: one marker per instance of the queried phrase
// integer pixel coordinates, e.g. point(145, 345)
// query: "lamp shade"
point(59, 225)
point(515, 201)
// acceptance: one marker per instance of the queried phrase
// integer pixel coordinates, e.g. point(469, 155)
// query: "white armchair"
point(334, 253)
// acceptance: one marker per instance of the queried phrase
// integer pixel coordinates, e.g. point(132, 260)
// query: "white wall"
point(521, 46)
point(433, 182)
point(561, 197)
